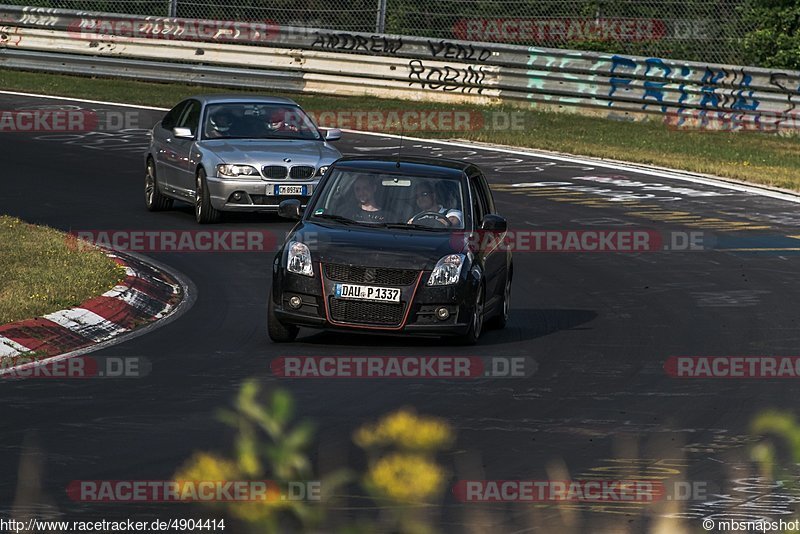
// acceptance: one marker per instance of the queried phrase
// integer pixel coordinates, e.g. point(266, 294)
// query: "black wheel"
point(279, 332)
point(204, 212)
point(476, 320)
point(500, 320)
point(153, 198)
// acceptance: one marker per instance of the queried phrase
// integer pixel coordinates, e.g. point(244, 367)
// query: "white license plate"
point(356, 292)
point(304, 190)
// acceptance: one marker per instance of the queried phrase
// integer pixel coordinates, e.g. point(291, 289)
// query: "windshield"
point(391, 201)
point(258, 121)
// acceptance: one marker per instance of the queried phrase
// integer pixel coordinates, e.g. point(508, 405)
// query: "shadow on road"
point(523, 325)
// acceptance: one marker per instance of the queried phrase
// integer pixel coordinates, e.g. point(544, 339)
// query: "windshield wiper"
point(337, 218)
point(404, 226)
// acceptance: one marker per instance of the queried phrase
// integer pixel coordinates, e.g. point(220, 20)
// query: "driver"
point(220, 124)
point(428, 203)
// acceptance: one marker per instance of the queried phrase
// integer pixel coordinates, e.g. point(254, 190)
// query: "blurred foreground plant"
point(403, 476)
point(268, 447)
point(779, 430)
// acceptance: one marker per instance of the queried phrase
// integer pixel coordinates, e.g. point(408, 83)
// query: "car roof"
point(409, 165)
point(240, 98)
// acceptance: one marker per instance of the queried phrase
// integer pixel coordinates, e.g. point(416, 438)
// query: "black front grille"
point(370, 275)
point(275, 172)
point(301, 172)
point(271, 200)
point(375, 313)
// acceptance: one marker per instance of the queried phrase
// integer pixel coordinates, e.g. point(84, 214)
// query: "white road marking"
point(86, 323)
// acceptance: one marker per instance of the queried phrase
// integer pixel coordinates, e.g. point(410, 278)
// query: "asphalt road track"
point(599, 326)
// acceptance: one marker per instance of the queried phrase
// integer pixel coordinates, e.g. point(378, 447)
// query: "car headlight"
point(447, 270)
point(233, 171)
point(322, 170)
point(299, 259)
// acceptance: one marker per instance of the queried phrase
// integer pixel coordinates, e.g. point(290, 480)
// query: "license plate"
point(356, 292)
point(291, 190)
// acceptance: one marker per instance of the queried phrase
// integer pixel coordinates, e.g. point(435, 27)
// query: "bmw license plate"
point(291, 190)
point(356, 292)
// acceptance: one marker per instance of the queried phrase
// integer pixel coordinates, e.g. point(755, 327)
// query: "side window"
point(479, 207)
point(487, 193)
point(191, 116)
point(170, 120)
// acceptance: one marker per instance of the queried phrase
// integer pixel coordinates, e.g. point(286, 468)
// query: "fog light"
point(295, 302)
point(442, 313)
point(237, 197)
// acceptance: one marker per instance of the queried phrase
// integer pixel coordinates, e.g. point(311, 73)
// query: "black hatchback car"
point(390, 245)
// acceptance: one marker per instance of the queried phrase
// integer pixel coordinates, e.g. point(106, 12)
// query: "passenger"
point(364, 189)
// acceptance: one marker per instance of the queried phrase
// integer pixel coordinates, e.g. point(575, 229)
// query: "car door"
point(162, 147)
point(493, 256)
point(184, 162)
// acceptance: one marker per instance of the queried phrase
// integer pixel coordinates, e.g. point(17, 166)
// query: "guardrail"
point(240, 54)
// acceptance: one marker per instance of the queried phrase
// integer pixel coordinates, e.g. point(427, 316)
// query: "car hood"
point(261, 152)
point(377, 248)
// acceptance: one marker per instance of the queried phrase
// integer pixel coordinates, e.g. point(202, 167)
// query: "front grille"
point(301, 172)
point(275, 172)
point(370, 275)
point(377, 313)
point(271, 200)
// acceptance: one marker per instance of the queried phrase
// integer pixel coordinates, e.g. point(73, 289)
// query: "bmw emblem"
point(287, 160)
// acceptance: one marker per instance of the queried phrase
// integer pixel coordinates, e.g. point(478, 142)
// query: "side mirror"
point(333, 134)
point(289, 209)
point(182, 133)
point(494, 223)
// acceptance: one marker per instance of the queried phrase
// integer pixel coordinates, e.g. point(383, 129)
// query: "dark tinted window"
point(191, 116)
point(478, 202)
point(170, 120)
point(255, 120)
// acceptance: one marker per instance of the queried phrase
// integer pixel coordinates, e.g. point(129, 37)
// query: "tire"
point(279, 332)
point(476, 320)
point(204, 212)
point(153, 198)
point(500, 320)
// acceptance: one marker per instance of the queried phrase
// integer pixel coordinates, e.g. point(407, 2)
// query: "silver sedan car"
point(235, 153)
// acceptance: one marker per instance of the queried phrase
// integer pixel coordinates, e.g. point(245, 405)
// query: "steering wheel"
point(431, 218)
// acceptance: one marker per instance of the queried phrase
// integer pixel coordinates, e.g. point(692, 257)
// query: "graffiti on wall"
point(697, 95)
point(467, 79)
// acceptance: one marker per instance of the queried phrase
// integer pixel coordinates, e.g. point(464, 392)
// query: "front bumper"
point(253, 193)
point(419, 301)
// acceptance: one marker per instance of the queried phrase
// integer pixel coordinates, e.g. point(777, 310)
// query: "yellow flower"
point(206, 467)
point(406, 477)
point(406, 430)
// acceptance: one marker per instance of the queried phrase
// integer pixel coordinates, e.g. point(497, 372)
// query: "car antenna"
point(400, 148)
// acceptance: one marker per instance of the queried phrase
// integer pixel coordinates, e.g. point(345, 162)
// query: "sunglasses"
point(424, 194)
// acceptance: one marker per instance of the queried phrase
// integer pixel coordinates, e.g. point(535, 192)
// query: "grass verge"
point(759, 158)
point(42, 271)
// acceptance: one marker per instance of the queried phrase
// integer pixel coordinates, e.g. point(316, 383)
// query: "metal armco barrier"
point(250, 55)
